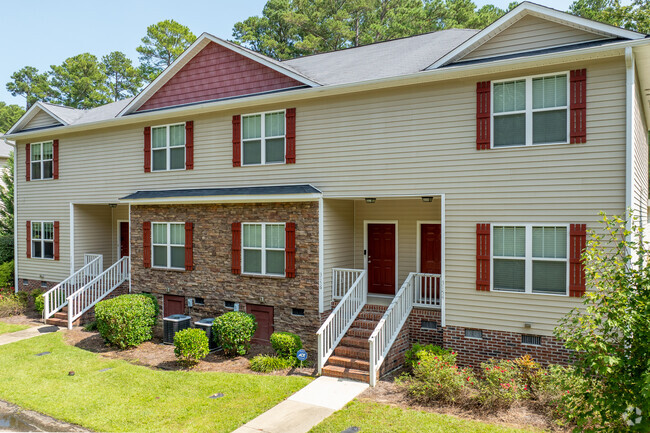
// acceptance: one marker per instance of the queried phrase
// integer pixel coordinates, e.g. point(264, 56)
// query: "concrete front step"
point(344, 361)
point(352, 352)
point(362, 343)
point(348, 373)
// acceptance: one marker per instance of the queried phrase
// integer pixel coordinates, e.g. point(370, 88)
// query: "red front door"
point(381, 259)
point(173, 305)
point(430, 249)
point(264, 317)
point(124, 239)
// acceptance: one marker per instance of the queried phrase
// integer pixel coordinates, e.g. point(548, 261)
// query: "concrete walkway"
point(26, 333)
point(306, 408)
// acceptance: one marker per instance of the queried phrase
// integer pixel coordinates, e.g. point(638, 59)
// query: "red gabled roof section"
point(214, 73)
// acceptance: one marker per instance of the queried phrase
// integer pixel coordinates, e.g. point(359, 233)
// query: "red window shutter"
point(290, 250)
point(236, 248)
point(56, 240)
point(291, 136)
point(577, 244)
point(189, 145)
point(578, 106)
point(55, 160)
point(29, 239)
point(236, 141)
point(147, 149)
point(28, 162)
point(189, 246)
point(483, 115)
point(483, 257)
point(146, 244)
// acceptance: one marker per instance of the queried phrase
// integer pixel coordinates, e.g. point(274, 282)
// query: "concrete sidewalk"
point(26, 333)
point(306, 408)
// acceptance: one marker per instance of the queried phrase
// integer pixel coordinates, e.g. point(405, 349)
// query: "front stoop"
point(60, 319)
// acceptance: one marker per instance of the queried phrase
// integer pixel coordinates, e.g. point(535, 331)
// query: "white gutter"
point(441, 74)
point(630, 89)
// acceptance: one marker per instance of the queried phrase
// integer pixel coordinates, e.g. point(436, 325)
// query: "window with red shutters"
point(290, 157)
point(577, 244)
point(146, 244)
point(29, 239)
point(28, 161)
point(236, 248)
point(578, 106)
point(236, 141)
point(189, 145)
point(56, 240)
point(147, 149)
point(189, 246)
point(483, 257)
point(55, 160)
point(483, 115)
point(290, 250)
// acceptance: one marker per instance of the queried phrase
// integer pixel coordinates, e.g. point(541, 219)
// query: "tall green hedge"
point(126, 321)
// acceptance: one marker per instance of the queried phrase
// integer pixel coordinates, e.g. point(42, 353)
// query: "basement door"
point(381, 259)
point(173, 305)
point(264, 317)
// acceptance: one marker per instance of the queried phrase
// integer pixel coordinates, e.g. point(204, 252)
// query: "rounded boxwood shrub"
point(126, 321)
point(286, 344)
point(154, 300)
point(190, 346)
point(233, 332)
point(266, 363)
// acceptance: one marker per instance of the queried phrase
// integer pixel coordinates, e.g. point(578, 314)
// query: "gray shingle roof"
point(214, 192)
point(74, 116)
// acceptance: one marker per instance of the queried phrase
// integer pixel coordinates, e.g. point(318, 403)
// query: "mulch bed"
point(30, 318)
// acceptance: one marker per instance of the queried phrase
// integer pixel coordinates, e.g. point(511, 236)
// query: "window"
point(297, 311)
point(530, 259)
point(199, 301)
point(168, 147)
point(42, 160)
point(168, 245)
point(263, 248)
point(263, 138)
point(530, 111)
point(43, 240)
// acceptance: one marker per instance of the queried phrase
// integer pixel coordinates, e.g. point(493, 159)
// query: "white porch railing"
point(418, 289)
point(56, 297)
point(338, 323)
point(83, 299)
point(342, 280)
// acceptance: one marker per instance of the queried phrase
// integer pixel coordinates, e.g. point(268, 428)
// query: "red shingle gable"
point(217, 72)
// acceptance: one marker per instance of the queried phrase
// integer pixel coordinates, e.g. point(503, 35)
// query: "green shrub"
point(39, 303)
point(266, 363)
point(125, 321)
point(190, 346)
point(90, 326)
point(7, 274)
point(155, 304)
point(286, 344)
point(500, 384)
point(10, 303)
point(411, 356)
point(233, 332)
point(6, 248)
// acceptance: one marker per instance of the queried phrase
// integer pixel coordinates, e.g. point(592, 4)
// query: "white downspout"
point(629, 142)
point(15, 217)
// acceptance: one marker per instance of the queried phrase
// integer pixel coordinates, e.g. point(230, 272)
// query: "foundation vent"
point(429, 324)
point(474, 333)
point(533, 340)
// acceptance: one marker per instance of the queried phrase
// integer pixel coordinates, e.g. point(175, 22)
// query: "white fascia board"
point(200, 43)
point(29, 115)
point(270, 198)
point(527, 8)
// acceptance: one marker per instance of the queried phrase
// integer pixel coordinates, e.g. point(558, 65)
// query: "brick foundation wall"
point(34, 284)
point(212, 279)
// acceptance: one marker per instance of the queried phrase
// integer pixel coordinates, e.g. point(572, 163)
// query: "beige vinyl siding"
point(531, 33)
point(640, 164)
point(338, 232)
point(96, 231)
point(415, 140)
point(40, 120)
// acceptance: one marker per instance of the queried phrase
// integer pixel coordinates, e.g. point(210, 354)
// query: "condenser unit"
point(174, 323)
point(206, 325)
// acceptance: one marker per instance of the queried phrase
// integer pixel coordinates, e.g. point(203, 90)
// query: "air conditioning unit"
point(206, 325)
point(174, 323)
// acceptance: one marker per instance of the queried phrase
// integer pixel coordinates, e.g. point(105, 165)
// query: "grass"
point(9, 327)
point(380, 418)
point(129, 397)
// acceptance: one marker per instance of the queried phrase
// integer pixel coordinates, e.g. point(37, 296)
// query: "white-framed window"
point(530, 111)
point(168, 243)
point(530, 258)
point(263, 248)
point(42, 239)
point(42, 160)
point(263, 138)
point(168, 147)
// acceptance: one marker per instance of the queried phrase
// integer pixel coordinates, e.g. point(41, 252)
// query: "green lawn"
point(10, 327)
point(129, 397)
point(380, 418)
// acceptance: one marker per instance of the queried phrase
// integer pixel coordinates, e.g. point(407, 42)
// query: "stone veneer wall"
point(212, 278)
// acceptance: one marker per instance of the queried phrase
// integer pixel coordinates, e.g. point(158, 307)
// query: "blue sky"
point(41, 33)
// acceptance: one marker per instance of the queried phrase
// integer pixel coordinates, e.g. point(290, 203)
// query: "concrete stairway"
point(60, 319)
point(350, 358)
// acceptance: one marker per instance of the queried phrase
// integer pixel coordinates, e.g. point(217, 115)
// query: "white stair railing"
point(342, 280)
point(83, 299)
point(417, 287)
point(56, 297)
point(338, 323)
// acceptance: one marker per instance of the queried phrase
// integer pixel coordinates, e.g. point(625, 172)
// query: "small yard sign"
point(302, 355)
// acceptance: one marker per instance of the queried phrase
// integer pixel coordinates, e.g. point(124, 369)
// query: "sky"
point(42, 33)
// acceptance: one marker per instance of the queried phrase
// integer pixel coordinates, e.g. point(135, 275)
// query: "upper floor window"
point(529, 111)
point(42, 239)
point(42, 160)
point(263, 138)
point(168, 245)
point(530, 259)
point(168, 147)
point(263, 248)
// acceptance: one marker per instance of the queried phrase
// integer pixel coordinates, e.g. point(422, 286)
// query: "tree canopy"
point(80, 82)
point(9, 114)
point(31, 84)
point(162, 44)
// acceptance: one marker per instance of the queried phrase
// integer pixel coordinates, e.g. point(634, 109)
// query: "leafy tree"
point(163, 43)
point(7, 198)
point(80, 82)
point(635, 16)
point(610, 333)
point(124, 79)
point(30, 84)
point(9, 114)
